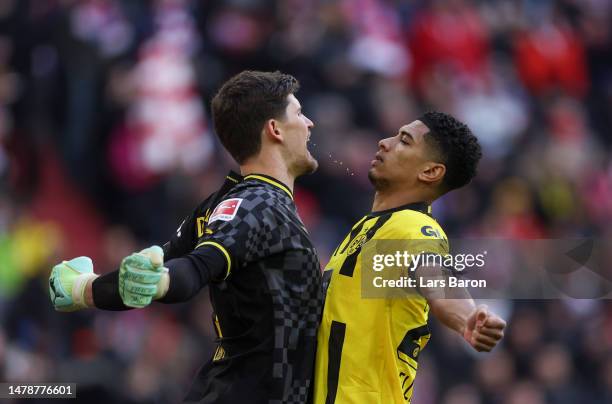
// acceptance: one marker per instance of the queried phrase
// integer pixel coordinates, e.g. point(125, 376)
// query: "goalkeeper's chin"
point(307, 166)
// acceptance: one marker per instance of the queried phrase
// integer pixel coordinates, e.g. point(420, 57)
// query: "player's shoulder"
point(252, 199)
point(408, 223)
point(213, 199)
point(250, 196)
point(261, 192)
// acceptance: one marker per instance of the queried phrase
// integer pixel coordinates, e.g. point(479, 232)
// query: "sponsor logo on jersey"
point(430, 231)
point(226, 210)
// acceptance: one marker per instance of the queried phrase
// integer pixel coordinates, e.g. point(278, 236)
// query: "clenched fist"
point(484, 329)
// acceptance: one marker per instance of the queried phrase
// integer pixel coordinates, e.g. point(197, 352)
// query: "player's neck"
point(393, 199)
point(275, 168)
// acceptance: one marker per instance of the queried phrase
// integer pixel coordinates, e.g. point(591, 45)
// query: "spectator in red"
point(449, 34)
point(551, 56)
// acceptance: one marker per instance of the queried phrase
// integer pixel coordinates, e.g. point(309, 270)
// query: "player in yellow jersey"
point(368, 349)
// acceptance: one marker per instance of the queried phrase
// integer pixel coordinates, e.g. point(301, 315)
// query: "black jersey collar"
point(422, 207)
point(270, 180)
point(233, 177)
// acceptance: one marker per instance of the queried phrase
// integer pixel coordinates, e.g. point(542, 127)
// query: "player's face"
point(296, 128)
point(400, 158)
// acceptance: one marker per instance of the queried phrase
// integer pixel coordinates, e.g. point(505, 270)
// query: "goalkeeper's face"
point(296, 134)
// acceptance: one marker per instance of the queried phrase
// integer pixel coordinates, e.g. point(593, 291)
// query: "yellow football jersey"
point(368, 349)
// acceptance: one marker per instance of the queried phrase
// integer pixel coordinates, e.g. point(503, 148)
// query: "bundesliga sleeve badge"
point(226, 210)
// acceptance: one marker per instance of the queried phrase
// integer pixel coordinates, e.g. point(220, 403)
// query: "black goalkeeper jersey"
point(267, 305)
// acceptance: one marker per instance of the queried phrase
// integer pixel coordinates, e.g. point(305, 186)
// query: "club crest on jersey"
point(226, 210)
point(356, 244)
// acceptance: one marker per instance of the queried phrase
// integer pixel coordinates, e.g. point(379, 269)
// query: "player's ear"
point(272, 131)
point(432, 172)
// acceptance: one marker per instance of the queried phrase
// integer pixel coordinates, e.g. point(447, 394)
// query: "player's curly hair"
point(242, 106)
point(457, 146)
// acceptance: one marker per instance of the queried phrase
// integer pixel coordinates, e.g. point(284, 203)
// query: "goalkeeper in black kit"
point(247, 243)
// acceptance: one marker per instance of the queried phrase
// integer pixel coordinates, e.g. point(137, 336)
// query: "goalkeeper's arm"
point(73, 285)
point(187, 275)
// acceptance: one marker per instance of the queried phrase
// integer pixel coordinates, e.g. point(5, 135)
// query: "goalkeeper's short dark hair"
point(242, 106)
point(456, 145)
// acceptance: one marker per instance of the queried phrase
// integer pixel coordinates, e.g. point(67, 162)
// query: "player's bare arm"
point(455, 308)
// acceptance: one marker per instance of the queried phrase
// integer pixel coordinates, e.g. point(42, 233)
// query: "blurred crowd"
point(106, 143)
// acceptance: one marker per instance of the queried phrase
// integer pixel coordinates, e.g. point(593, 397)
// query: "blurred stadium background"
point(106, 143)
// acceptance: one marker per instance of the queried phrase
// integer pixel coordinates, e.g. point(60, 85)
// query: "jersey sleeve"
point(194, 226)
point(183, 240)
point(429, 237)
point(417, 232)
point(239, 227)
point(424, 236)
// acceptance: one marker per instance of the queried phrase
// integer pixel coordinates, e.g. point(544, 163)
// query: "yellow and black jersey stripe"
point(368, 349)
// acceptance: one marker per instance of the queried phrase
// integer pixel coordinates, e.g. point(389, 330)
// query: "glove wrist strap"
point(163, 285)
point(78, 289)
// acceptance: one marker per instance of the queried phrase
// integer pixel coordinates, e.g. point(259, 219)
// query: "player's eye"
point(404, 139)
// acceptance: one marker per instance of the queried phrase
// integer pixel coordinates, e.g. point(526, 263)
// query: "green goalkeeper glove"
point(67, 283)
point(143, 278)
